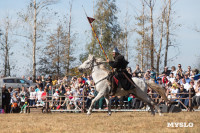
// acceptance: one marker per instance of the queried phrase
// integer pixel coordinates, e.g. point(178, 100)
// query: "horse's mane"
point(100, 62)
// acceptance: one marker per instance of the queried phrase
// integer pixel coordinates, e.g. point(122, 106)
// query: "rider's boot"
point(113, 88)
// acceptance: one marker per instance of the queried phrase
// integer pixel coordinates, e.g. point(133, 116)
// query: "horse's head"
point(88, 64)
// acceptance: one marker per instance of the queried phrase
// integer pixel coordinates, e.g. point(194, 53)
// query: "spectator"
point(23, 77)
point(192, 90)
point(5, 99)
point(30, 81)
point(22, 96)
point(196, 98)
point(56, 95)
point(77, 99)
point(180, 71)
point(164, 79)
point(25, 104)
point(39, 97)
point(37, 88)
point(38, 79)
point(129, 70)
point(49, 91)
point(178, 78)
point(81, 82)
point(131, 101)
point(147, 75)
point(89, 80)
point(71, 98)
point(186, 85)
point(99, 102)
point(44, 95)
point(172, 78)
point(187, 79)
point(49, 81)
point(166, 71)
point(54, 82)
point(14, 102)
point(65, 80)
point(137, 71)
point(183, 94)
point(173, 70)
point(32, 97)
point(43, 81)
point(152, 74)
point(90, 96)
point(189, 71)
point(173, 91)
point(114, 100)
point(87, 88)
point(133, 74)
point(159, 81)
point(84, 77)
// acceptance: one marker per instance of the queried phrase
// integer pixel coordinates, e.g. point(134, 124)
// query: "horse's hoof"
point(153, 114)
point(109, 114)
point(88, 113)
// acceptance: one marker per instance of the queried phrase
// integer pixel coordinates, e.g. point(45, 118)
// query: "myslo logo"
point(179, 124)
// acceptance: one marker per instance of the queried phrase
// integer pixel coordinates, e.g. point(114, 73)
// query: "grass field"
point(130, 122)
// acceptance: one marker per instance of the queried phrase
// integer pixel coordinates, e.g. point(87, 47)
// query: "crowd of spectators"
point(74, 92)
point(177, 84)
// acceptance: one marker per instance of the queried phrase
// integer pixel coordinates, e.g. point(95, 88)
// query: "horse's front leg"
point(108, 104)
point(93, 101)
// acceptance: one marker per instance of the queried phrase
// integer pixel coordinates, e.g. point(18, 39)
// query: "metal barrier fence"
point(50, 102)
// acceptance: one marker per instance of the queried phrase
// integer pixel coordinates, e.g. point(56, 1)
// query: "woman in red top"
point(164, 79)
point(44, 95)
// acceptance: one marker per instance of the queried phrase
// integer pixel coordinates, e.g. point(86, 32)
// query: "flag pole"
point(90, 20)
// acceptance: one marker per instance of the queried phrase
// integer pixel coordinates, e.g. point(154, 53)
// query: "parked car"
point(15, 82)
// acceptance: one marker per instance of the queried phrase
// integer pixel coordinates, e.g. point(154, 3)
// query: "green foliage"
point(106, 27)
point(54, 59)
point(143, 41)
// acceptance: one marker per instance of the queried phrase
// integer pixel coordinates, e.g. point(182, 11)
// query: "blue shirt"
point(187, 80)
point(37, 89)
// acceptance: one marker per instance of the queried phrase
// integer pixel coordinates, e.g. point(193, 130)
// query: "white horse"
point(99, 74)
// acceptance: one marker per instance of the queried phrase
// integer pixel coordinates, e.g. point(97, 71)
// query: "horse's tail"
point(158, 88)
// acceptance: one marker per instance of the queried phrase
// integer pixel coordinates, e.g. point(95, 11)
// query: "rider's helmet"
point(115, 50)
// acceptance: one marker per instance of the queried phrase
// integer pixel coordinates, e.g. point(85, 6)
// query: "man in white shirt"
point(186, 85)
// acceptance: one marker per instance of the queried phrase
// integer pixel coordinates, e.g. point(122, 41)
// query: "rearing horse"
point(99, 74)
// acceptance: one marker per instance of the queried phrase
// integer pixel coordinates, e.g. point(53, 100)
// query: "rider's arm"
point(113, 64)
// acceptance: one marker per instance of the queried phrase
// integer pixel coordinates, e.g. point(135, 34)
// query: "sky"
point(187, 14)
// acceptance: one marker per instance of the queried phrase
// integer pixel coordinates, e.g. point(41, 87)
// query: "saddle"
point(118, 80)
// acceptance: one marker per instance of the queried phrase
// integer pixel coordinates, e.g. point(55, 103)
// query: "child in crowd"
point(23, 108)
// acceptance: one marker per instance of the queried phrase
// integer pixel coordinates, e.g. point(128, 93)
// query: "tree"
point(151, 4)
point(168, 31)
point(69, 47)
point(106, 25)
point(171, 27)
point(36, 24)
point(126, 33)
point(53, 61)
point(6, 44)
point(58, 54)
point(161, 36)
point(143, 42)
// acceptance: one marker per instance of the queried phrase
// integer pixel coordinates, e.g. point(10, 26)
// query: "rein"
point(101, 80)
point(92, 66)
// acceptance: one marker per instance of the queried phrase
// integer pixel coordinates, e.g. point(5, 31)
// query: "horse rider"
point(120, 75)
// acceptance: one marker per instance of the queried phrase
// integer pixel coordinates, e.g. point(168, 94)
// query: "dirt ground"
point(126, 122)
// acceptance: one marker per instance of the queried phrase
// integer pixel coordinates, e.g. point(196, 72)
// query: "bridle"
point(92, 66)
